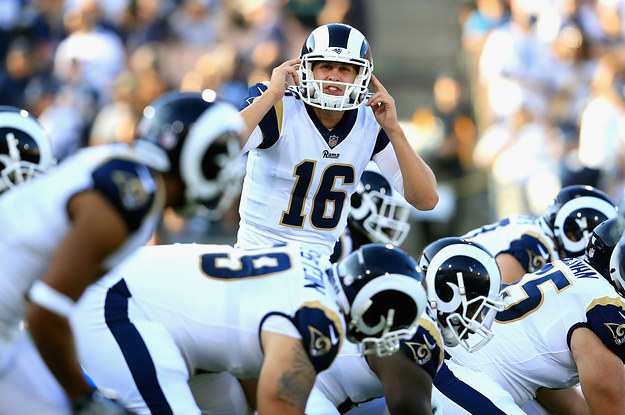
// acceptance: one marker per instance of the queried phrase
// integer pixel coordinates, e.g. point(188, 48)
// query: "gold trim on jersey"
point(615, 301)
point(238, 265)
point(319, 343)
point(279, 107)
point(421, 352)
point(535, 260)
point(617, 329)
point(297, 179)
point(346, 201)
point(557, 268)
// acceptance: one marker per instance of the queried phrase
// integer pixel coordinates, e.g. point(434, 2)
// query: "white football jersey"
point(35, 220)
point(213, 301)
point(526, 238)
point(530, 346)
point(300, 179)
point(350, 381)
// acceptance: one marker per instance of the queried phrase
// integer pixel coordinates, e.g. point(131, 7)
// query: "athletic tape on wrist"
point(50, 299)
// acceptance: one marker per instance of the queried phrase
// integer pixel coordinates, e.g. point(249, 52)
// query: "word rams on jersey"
point(425, 348)
point(606, 318)
point(322, 333)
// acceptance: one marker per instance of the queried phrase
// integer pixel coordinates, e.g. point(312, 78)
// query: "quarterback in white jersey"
point(270, 313)
point(559, 327)
point(63, 229)
point(310, 143)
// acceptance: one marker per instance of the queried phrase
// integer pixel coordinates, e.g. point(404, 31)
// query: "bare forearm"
point(53, 337)
point(419, 179)
point(254, 113)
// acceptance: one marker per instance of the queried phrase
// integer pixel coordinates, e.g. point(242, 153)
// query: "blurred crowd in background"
point(537, 102)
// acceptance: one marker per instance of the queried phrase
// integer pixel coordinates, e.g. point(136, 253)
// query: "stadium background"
point(86, 68)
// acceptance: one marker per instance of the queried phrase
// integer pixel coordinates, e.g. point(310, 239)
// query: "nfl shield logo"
point(333, 140)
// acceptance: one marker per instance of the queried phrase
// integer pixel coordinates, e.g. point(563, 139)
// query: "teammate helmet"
point(463, 282)
point(25, 148)
point(601, 245)
point(377, 212)
point(379, 290)
point(194, 137)
point(617, 266)
point(574, 213)
point(335, 43)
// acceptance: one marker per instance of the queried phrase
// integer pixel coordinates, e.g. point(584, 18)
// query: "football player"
point(62, 229)
point(271, 314)
point(308, 144)
point(463, 294)
point(523, 244)
point(25, 148)
point(561, 325)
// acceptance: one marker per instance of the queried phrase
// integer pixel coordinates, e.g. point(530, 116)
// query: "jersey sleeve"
point(425, 348)
point(381, 142)
point(322, 333)
point(129, 186)
point(530, 251)
point(606, 319)
point(269, 123)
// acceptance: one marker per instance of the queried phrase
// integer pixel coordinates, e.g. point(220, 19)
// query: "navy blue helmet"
point(379, 290)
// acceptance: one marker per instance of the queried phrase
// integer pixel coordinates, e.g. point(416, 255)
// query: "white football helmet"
point(25, 148)
point(377, 211)
point(463, 283)
point(335, 43)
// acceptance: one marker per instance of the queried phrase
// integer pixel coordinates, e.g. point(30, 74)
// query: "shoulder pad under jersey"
point(130, 187)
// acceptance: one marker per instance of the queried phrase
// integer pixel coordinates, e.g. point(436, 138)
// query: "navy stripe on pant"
point(133, 348)
point(464, 395)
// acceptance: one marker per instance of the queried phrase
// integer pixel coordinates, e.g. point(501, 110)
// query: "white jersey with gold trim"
point(210, 302)
point(35, 220)
point(530, 346)
point(300, 179)
point(526, 238)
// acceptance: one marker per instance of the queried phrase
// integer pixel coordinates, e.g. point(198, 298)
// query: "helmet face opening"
point(25, 148)
point(377, 212)
point(574, 213)
point(335, 43)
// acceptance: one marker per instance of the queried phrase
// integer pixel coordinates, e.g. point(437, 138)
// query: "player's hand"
point(383, 105)
point(95, 403)
point(280, 74)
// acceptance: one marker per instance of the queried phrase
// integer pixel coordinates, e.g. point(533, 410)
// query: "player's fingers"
point(377, 85)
